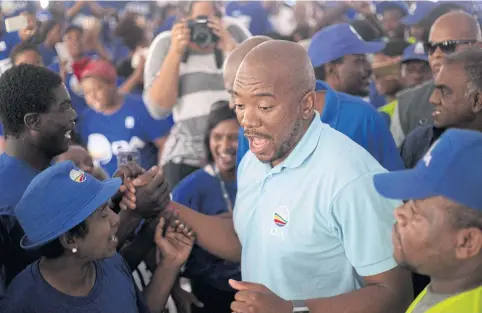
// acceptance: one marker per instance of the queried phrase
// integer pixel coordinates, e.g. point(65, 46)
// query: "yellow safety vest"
point(465, 302)
point(389, 108)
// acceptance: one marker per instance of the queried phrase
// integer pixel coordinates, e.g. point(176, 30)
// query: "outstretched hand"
point(174, 245)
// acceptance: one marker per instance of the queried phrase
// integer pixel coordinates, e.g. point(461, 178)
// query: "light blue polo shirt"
point(358, 120)
point(309, 226)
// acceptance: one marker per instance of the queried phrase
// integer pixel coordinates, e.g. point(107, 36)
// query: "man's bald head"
point(455, 25)
point(452, 26)
point(280, 63)
point(274, 93)
point(233, 61)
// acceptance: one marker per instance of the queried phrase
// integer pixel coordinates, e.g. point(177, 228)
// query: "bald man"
point(348, 114)
point(453, 31)
point(309, 228)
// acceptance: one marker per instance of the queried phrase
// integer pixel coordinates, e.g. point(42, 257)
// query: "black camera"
point(201, 34)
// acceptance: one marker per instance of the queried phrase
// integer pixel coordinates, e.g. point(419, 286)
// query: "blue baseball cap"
point(57, 200)
point(338, 40)
point(415, 52)
point(386, 5)
point(418, 11)
point(451, 168)
point(70, 27)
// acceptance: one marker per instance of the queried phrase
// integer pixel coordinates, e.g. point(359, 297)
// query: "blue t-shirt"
point(15, 176)
point(114, 291)
point(252, 14)
point(356, 119)
point(49, 55)
point(376, 99)
point(1, 129)
point(201, 191)
point(131, 127)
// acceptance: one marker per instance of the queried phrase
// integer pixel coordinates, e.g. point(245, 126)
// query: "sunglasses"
point(447, 47)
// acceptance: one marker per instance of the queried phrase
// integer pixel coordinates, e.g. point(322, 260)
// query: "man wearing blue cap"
point(348, 114)
point(416, 13)
point(66, 217)
point(415, 66)
point(414, 70)
point(391, 13)
point(438, 232)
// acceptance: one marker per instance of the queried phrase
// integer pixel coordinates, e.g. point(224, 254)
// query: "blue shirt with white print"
point(131, 127)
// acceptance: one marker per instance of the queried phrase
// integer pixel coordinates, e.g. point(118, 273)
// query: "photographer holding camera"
point(183, 77)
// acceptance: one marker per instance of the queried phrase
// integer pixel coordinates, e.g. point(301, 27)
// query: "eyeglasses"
point(446, 47)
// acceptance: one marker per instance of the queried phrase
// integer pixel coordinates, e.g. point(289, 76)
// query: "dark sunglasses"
point(446, 47)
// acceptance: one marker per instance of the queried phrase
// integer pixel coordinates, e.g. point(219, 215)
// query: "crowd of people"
point(241, 156)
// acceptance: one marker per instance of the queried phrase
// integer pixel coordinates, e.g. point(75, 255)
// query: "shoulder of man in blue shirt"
point(11, 193)
point(356, 119)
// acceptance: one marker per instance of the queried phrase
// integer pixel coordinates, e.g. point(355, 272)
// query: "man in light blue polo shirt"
point(348, 114)
point(308, 225)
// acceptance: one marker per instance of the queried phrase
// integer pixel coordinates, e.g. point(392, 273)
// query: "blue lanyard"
point(223, 188)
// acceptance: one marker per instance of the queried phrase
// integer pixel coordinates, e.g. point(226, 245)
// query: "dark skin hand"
point(147, 194)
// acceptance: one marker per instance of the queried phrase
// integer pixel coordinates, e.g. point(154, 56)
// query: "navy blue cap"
point(451, 168)
point(70, 27)
point(57, 200)
point(336, 41)
point(385, 5)
point(415, 52)
point(418, 11)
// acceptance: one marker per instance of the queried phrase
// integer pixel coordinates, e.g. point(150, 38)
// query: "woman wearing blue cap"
point(65, 215)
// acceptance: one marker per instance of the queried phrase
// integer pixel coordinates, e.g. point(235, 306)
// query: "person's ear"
point(308, 104)
point(32, 121)
point(469, 243)
point(476, 102)
point(69, 242)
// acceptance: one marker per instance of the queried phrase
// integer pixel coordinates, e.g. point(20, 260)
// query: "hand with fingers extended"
point(174, 243)
point(257, 298)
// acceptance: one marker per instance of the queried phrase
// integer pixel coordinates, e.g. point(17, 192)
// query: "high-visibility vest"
point(465, 302)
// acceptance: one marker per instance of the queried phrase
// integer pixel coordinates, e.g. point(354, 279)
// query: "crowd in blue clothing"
point(112, 117)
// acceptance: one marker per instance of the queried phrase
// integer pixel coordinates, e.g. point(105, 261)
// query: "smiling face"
point(56, 125)
point(223, 144)
point(98, 93)
point(100, 242)
point(452, 106)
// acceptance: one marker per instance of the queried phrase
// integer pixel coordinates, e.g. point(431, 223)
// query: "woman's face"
point(97, 93)
point(100, 242)
point(223, 143)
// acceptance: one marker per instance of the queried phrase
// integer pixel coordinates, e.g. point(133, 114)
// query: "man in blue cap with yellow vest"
point(438, 232)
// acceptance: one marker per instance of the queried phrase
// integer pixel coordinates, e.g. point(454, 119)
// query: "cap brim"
point(410, 20)
point(109, 188)
point(369, 47)
point(402, 185)
point(415, 58)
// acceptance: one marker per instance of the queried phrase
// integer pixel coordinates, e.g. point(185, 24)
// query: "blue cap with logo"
point(418, 11)
point(415, 52)
point(336, 41)
point(57, 200)
point(451, 168)
point(386, 5)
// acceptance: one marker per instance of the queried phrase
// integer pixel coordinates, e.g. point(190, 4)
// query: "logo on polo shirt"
point(428, 156)
point(281, 216)
point(77, 176)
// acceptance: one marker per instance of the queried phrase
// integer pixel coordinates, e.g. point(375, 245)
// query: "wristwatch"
point(299, 306)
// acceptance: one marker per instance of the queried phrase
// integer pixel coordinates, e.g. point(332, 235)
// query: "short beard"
point(289, 143)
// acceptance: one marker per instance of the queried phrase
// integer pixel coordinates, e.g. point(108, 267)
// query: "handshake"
point(146, 194)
